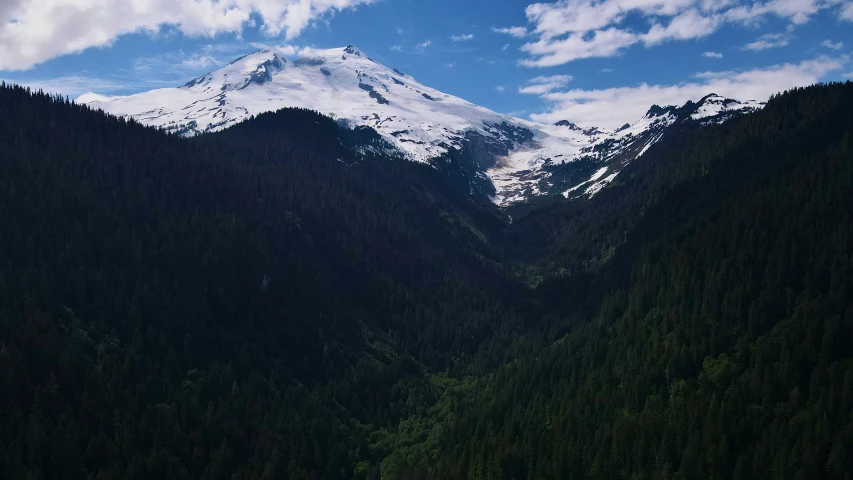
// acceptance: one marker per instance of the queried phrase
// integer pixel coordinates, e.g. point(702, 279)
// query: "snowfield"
point(421, 122)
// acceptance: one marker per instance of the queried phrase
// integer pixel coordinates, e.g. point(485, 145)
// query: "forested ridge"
point(722, 349)
point(285, 299)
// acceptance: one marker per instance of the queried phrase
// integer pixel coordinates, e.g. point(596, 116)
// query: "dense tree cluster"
point(721, 344)
point(186, 308)
point(285, 299)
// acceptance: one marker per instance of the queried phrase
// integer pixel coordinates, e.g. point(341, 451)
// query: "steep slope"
point(585, 172)
point(720, 348)
point(163, 300)
point(422, 122)
point(318, 310)
point(521, 159)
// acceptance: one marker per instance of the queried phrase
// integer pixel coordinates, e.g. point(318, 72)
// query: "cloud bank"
point(462, 38)
point(609, 108)
point(568, 30)
point(768, 41)
point(543, 85)
point(34, 31)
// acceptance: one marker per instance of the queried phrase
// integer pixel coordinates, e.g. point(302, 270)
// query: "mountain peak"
point(418, 122)
point(260, 56)
point(657, 110)
point(352, 50)
point(264, 71)
point(714, 99)
point(716, 108)
point(567, 124)
point(590, 132)
point(256, 68)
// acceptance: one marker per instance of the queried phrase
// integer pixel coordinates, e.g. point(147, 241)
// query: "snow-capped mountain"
point(597, 163)
point(521, 158)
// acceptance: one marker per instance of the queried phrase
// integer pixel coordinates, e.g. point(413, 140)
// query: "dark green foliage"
point(190, 308)
point(283, 300)
point(721, 347)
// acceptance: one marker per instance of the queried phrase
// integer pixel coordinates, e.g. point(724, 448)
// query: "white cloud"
point(846, 12)
point(603, 43)
point(425, 44)
point(288, 50)
point(797, 11)
point(612, 107)
point(93, 97)
point(542, 85)
point(34, 31)
point(685, 26)
point(462, 38)
point(500, 88)
point(569, 30)
point(505, 47)
point(397, 48)
point(768, 41)
point(716, 55)
point(832, 45)
point(144, 73)
point(200, 61)
point(517, 32)
point(178, 64)
point(74, 85)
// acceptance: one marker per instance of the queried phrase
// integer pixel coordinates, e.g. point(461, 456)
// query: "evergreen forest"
point(289, 299)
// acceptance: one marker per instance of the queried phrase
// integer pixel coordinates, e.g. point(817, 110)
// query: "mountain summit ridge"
point(424, 124)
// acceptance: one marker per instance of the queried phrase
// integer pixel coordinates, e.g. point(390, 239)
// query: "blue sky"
point(595, 62)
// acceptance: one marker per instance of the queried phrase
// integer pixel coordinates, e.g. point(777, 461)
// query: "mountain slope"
point(170, 312)
point(275, 300)
point(522, 159)
point(719, 349)
point(585, 172)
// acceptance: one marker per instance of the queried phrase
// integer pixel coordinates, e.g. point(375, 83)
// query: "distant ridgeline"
point(508, 159)
point(287, 299)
